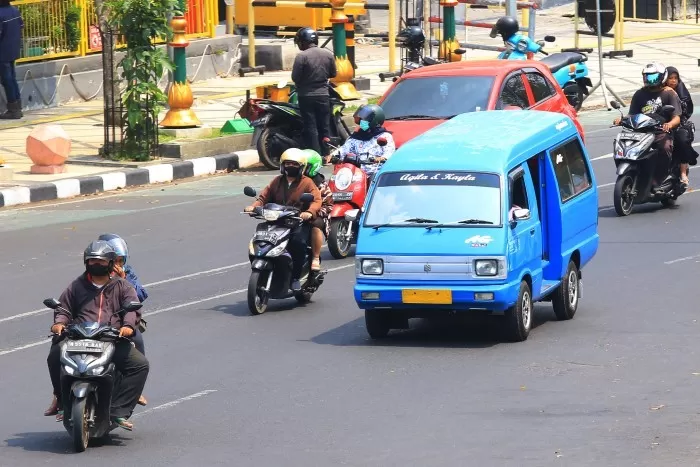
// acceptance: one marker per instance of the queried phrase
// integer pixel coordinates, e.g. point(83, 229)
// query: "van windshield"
point(461, 199)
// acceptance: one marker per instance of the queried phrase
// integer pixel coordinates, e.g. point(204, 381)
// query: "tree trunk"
point(109, 75)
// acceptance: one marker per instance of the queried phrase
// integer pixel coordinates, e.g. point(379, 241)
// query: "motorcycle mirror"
point(459, 51)
point(549, 38)
point(667, 109)
point(351, 215)
point(52, 303)
point(381, 141)
point(249, 191)
point(132, 306)
point(306, 198)
point(493, 33)
point(540, 43)
point(615, 105)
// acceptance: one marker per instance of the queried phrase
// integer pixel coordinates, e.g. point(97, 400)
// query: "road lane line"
point(179, 401)
point(685, 258)
point(166, 309)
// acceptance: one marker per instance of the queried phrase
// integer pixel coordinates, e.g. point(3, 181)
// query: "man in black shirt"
point(651, 98)
point(312, 69)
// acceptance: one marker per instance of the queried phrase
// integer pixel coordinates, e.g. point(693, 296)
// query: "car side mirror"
point(249, 191)
point(549, 38)
point(52, 303)
point(615, 105)
point(381, 141)
point(306, 198)
point(351, 215)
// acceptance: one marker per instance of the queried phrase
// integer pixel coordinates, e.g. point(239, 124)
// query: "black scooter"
point(88, 376)
point(271, 262)
point(639, 163)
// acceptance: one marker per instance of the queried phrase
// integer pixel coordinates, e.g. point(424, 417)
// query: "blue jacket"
point(134, 280)
point(11, 25)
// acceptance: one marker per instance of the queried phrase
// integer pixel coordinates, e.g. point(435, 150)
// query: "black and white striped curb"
point(159, 173)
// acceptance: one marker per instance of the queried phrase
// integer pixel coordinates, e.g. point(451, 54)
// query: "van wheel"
point(519, 316)
point(623, 198)
point(378, 323)
point(565, 298)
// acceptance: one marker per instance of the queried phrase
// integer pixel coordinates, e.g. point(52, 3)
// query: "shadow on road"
point(240, 309)
point(56, 442)
point(469, 332)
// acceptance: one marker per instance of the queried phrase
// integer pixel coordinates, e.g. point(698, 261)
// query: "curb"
point(91, 184)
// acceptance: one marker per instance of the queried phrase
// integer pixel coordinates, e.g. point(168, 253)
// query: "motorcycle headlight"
point(343, 179)
point(521, 46)
point(278, 250)
point(251, 248)
point(271, 216)
point(69, 370)
point(97, 371)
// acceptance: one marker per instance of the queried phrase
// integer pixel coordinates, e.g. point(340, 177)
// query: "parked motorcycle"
point(278, 126)
point(271, 262)
point(88, 376)
point(639, 163)
point(569, 68)
point(349, 185)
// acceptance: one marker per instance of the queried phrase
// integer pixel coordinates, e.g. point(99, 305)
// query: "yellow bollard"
point(525, 18)
point(251, 35)
point(392, 35)
point(230, 26)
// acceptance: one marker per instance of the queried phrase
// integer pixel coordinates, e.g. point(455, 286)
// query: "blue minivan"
point(488, 211)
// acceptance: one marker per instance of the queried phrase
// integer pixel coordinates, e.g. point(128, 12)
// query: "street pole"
point(180, 97)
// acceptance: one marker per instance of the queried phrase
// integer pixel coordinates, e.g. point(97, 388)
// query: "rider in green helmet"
point(320, 225)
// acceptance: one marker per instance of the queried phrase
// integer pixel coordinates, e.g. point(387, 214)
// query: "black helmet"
point(304, 37)
point(371, 113)
point(101, 250)
point(413, 37)
point(506, 27)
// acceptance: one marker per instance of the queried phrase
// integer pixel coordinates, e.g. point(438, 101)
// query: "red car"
point(424, 98)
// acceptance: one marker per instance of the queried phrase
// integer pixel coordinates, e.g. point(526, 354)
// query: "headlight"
point(251, 249)
point(97, 371)
point(372, 267)
point(271, 216)
point(69, 370)
point(343, 179)
point(276, 251)
point(486, 267)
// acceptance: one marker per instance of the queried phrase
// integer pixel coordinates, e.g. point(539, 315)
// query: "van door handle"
point(532, 231)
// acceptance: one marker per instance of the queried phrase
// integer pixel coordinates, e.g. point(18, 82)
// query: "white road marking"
point(163, 310)
point(175, 402)
point(685, 258)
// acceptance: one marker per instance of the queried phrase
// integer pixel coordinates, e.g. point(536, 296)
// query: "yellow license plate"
point(432, 297)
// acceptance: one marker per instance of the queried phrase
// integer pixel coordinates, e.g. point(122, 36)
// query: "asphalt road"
point(304, 385)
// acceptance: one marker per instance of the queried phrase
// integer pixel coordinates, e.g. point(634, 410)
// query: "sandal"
point(142, 401)
point(316, 264)
point(59, 416)
point(53, 408)
point(122, 422)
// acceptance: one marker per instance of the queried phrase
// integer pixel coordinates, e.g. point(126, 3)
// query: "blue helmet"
point(117, 243)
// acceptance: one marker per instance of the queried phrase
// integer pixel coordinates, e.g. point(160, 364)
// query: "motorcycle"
point(349, 187)
point(638, 163)
point(278, 126)
point(568, 67)
point(271, 262)
point(88, 376)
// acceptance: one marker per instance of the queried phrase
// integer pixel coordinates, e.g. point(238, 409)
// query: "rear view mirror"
point(306, 198)
point(549, 38)
point(52, 303)
point(381, 141)
point(615, 105)
point(351, 215)
point(249, 191)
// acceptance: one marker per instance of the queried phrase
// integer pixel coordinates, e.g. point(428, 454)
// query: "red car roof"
point(492, 67)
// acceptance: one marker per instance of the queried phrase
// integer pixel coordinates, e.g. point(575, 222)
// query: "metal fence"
point(70, 28)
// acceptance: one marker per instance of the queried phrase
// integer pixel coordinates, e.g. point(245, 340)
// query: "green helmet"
point(314, 162)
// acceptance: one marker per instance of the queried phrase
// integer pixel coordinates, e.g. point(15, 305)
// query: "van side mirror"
point(52, 303)
point(351, 215)
point(521, 214)
point(306, 198)
point(249, 191)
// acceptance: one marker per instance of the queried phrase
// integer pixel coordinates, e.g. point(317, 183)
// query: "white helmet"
point(654, 74)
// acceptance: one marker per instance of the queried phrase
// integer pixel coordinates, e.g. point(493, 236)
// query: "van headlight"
point(486, 267)
point(372, 267)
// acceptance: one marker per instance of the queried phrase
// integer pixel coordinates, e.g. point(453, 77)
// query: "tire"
point(580, 96)
point(257, 305)
point(270, 157)
point(337, 244)
point(668, 202)
point(566, 296)
point(378, 323)
point(303, 297)
point(343, 130)
point(623, 207)
point(80, 430)
point(519, 316)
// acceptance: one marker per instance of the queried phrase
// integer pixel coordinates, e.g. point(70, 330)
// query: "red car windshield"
point(437, 97)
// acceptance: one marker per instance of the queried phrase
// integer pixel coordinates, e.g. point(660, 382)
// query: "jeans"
point(298, 241)
point(316, 115)
point(132, 365)
point(8, 79)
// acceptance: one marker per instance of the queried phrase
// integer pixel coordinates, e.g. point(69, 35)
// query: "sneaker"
point(316, 264)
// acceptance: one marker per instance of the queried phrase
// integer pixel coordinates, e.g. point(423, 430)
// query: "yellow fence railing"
point(70, 28)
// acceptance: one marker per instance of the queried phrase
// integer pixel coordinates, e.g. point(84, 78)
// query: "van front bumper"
point(463, 297)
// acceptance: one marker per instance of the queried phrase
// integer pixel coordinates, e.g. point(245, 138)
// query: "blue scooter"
point(568, 66)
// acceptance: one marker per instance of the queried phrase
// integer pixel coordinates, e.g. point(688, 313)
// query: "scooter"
point(278, 126)
point(638, 163)
point(349, 185)
point(568, 67)
point(271, 262)
point(88, 376)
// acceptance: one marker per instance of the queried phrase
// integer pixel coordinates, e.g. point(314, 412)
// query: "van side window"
point(518, 193)
point(573, 176)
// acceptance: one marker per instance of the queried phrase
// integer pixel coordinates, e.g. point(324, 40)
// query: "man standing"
point(11, 25)
point(312, 69)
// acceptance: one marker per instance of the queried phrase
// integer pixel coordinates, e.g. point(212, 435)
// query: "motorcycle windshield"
point(88, 330)
point(640, 121)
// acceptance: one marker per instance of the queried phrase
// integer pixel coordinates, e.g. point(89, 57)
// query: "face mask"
point(97, 270)
point(292, 171)
point(364, 125)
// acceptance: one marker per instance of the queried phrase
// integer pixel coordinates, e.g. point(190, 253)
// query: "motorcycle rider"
point(96, 296)
point(125, 271)
point(287, 189)
point(363, 142)
point(683, 144)
point(312, 69)
point(321, 225)
point(651, 98)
